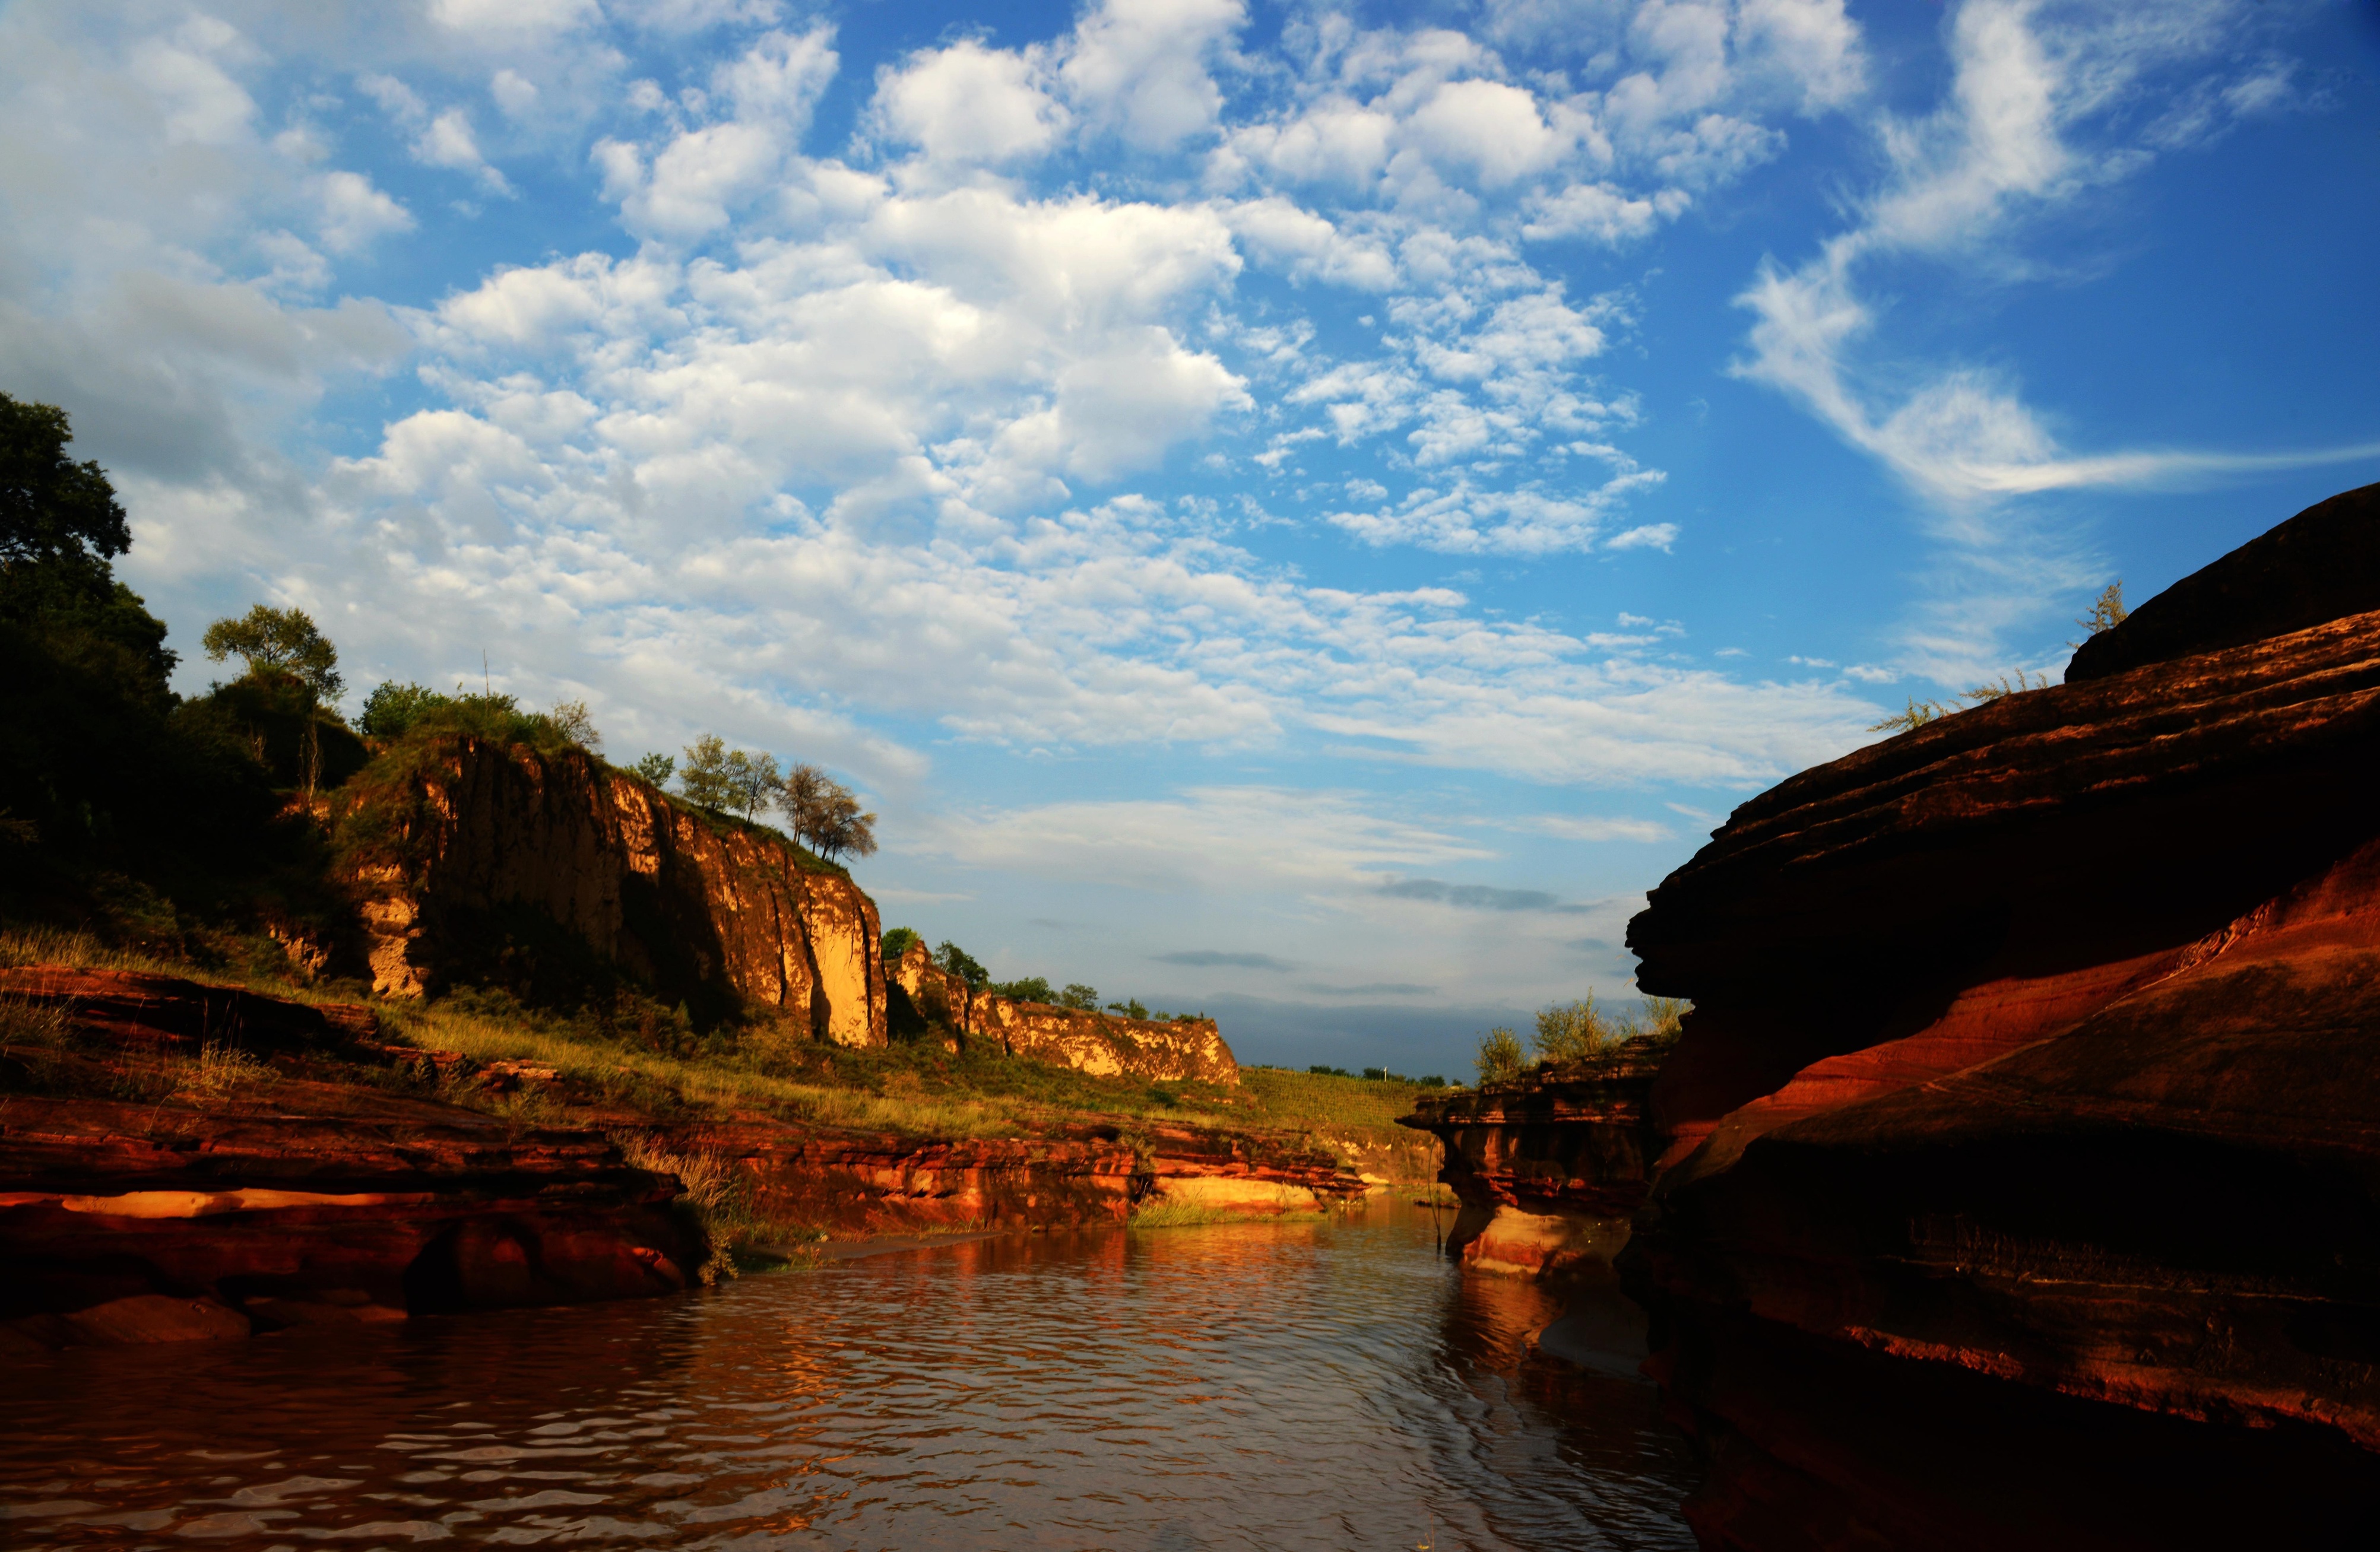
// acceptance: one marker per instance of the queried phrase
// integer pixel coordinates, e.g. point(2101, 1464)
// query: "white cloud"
point(702, 176)
point(1139, 68)
point(352, 214)
point(1586, 828)
point(969, 104)
point(514, 93)
point(500, 19)
point(448, 141)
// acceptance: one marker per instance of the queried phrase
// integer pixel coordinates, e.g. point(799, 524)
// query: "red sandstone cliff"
point(2023, 1147)
point(1100, 1043)
point(691, 905)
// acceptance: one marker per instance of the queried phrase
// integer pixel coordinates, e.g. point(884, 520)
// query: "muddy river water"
point(1332, 1385)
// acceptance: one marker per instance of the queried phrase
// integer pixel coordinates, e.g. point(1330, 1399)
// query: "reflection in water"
point(1324, 1385)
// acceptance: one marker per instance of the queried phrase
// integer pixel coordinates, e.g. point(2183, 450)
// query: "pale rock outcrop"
point(1100, 1044)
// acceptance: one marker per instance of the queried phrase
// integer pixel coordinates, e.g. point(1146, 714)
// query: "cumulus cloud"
point(970, 103)
point(1139, 68)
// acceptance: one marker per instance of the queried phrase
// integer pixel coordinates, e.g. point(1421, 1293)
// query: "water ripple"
point(1298, 1385)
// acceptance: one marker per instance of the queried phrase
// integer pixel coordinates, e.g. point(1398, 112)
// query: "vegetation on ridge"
point(1578, 1031)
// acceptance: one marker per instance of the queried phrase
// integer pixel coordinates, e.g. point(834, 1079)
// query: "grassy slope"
point(637, 1061)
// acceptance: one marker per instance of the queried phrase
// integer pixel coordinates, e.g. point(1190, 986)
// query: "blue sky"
point(1304, 511)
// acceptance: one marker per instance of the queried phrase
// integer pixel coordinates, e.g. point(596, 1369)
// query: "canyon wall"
point(2021, 1154)
point(483, 844)
point(1100, 1043)
point(1550, 1166)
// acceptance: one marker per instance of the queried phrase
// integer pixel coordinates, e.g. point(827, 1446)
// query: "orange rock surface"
point(1100, 1044)
point(684, 903)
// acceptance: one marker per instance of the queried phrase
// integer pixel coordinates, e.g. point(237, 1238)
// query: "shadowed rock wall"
point(2022, 1149)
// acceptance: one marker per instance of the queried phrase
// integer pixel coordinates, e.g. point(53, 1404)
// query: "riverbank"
point(184, 1158)
point(1315, 1384)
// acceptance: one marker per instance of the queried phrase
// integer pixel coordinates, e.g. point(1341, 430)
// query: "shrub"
point(1573, 1031)
point(1077, 995)
point(1501, 1059)
point(1032, 988)
point(959, 963)
point(656, 769)
point(392, 709)
point(1131, 1009)
point(897, 942)
point(1662, 1019)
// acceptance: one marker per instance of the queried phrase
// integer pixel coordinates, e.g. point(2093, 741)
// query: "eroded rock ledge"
point(2022, 1152)
point(1548, 1167)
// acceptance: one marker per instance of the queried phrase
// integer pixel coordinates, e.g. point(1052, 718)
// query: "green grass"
point(633, 1056)
point(1315, 1098)
point(1160, 1214)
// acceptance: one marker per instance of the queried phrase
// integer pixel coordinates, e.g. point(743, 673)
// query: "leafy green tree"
point(704, 778)
point(655, 768)
point(752, 781)
point(97, 758)
point(53, 509)
point(1501, 1059)
point(1077, 995)
point(277, 641)
point(1032, 988)
point(1131, 1009)
point(957, 962)
point(897, 942)
point(392, 709)
point(282, 643)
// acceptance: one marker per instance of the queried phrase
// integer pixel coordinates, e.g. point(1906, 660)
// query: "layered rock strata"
point(153, 1190)
point(695, 907)
point(2022, 1149)
point(850, 1185)
point(158, 1213)
point(1547, 1168)
point(1100, 1044)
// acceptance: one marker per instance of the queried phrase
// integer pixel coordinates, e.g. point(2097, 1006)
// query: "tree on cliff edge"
point(285, 644)
point(824, 815)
